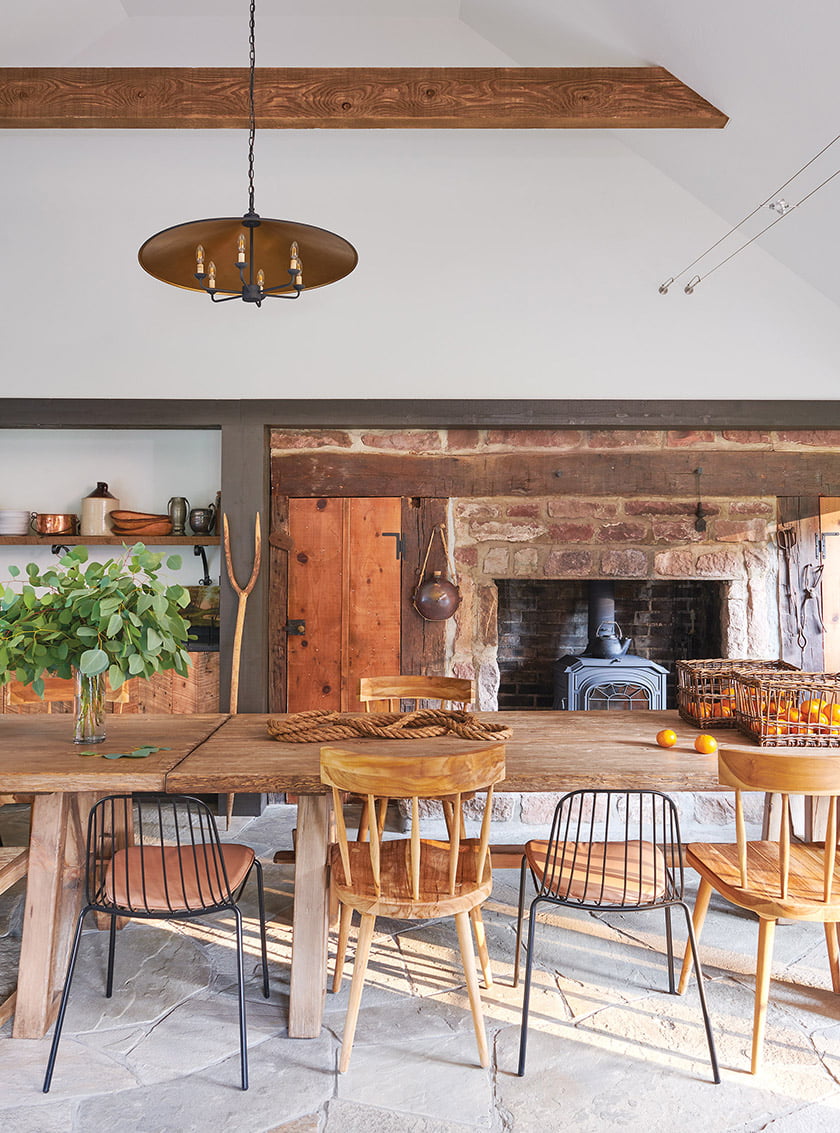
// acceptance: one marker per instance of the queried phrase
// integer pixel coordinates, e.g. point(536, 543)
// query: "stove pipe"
point(606, 640)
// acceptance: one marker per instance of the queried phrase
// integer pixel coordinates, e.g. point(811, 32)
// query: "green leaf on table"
point(114, 754)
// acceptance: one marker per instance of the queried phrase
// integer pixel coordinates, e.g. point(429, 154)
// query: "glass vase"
point(88, 708)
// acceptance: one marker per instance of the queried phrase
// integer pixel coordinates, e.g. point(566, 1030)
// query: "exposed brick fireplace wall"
point(644, 538)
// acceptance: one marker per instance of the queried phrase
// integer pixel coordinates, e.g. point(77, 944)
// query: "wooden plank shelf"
point(108, 540)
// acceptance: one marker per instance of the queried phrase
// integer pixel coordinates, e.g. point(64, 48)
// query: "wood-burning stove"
point(606, 675)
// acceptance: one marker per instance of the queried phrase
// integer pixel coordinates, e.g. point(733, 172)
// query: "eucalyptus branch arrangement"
point(115, 617)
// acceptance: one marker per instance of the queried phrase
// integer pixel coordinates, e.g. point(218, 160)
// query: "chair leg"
point(341, 947)
point(698, 971)
point(112, 947)
point(462, 924)
point(526, 995)
point(59, 1022)
point(240, 967)
point(833, 953)
point(669, 944)
point(521, 913)
point(481, 945)
point(701, 907)
point(766, 934)
point(359, 969)
point(263, 941)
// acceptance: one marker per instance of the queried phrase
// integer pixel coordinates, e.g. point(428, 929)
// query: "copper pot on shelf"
point(54, 523)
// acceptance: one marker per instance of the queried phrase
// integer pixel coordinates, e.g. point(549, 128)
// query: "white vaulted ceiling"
point(650, 201)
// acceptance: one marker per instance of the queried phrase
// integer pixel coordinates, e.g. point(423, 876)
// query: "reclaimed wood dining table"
point(38, 757)
point(548, 752)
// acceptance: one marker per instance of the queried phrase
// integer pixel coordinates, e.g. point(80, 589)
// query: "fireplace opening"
point(541, 620)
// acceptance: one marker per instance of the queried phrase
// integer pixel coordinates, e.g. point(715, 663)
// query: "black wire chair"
point(159, 857)
point(608, 850)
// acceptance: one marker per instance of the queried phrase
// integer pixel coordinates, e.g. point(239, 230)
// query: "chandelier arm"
point(284, 286)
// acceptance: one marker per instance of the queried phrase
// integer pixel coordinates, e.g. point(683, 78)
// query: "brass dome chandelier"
point(252, 252)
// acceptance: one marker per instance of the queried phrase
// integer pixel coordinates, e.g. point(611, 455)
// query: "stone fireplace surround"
point(571, 536)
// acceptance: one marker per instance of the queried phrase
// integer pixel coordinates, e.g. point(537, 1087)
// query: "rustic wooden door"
point(344, 586)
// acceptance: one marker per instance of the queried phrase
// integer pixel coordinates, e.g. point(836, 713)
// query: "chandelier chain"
point(252, 119)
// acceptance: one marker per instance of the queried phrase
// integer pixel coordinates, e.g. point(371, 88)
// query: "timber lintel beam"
point(437, 98)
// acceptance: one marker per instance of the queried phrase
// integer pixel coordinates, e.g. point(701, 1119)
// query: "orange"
point(835, 713)
point(705, 744)
point(666, 738)
point(810, 711)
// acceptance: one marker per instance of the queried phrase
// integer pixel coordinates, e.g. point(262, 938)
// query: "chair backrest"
point(383, 694)
point(802, 774)
point(380, 777)
point(155, 855)
point(614, 848)
point(59, 690)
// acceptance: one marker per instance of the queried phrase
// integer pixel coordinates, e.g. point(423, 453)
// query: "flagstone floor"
point(609, 1048)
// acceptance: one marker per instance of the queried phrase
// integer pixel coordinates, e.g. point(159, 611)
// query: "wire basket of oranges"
point(706, 694)
point(789, 709)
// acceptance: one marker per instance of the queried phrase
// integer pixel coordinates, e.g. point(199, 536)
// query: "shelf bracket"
point(60, 549)
point(207, 580)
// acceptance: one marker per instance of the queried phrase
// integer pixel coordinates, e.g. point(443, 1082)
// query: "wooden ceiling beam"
point(367, 98)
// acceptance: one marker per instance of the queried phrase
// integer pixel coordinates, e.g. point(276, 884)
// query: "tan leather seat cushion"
point(601, 873)
point(166, 878)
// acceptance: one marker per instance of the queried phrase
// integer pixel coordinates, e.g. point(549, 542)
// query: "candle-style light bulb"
point(211, 271)
point(293, 254)
point(240, 255)
point(261, 279)
point(199, 258)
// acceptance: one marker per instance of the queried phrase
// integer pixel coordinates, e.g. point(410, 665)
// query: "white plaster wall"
point(492, 264)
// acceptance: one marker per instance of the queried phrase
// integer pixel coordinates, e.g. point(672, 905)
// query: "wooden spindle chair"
point(774, 878)
point(14, 861)
point(386, 694)
point(411, 877)
point(58, 690)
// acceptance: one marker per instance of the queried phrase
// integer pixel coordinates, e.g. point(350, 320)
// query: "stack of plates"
point(14, 522)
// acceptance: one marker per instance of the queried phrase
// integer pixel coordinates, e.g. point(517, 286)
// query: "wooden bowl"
point(122, 518)
point(149, 527)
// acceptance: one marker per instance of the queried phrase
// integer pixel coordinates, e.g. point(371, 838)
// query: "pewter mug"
point(202, 519)
point(178, 507)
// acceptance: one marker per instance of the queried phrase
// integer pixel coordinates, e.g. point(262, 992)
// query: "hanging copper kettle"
point(435, 598)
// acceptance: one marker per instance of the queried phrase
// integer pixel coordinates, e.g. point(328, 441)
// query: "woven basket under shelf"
point(789, 709)
point(706, 691)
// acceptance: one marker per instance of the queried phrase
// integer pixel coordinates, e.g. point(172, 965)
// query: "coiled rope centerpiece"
point(322, 724)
